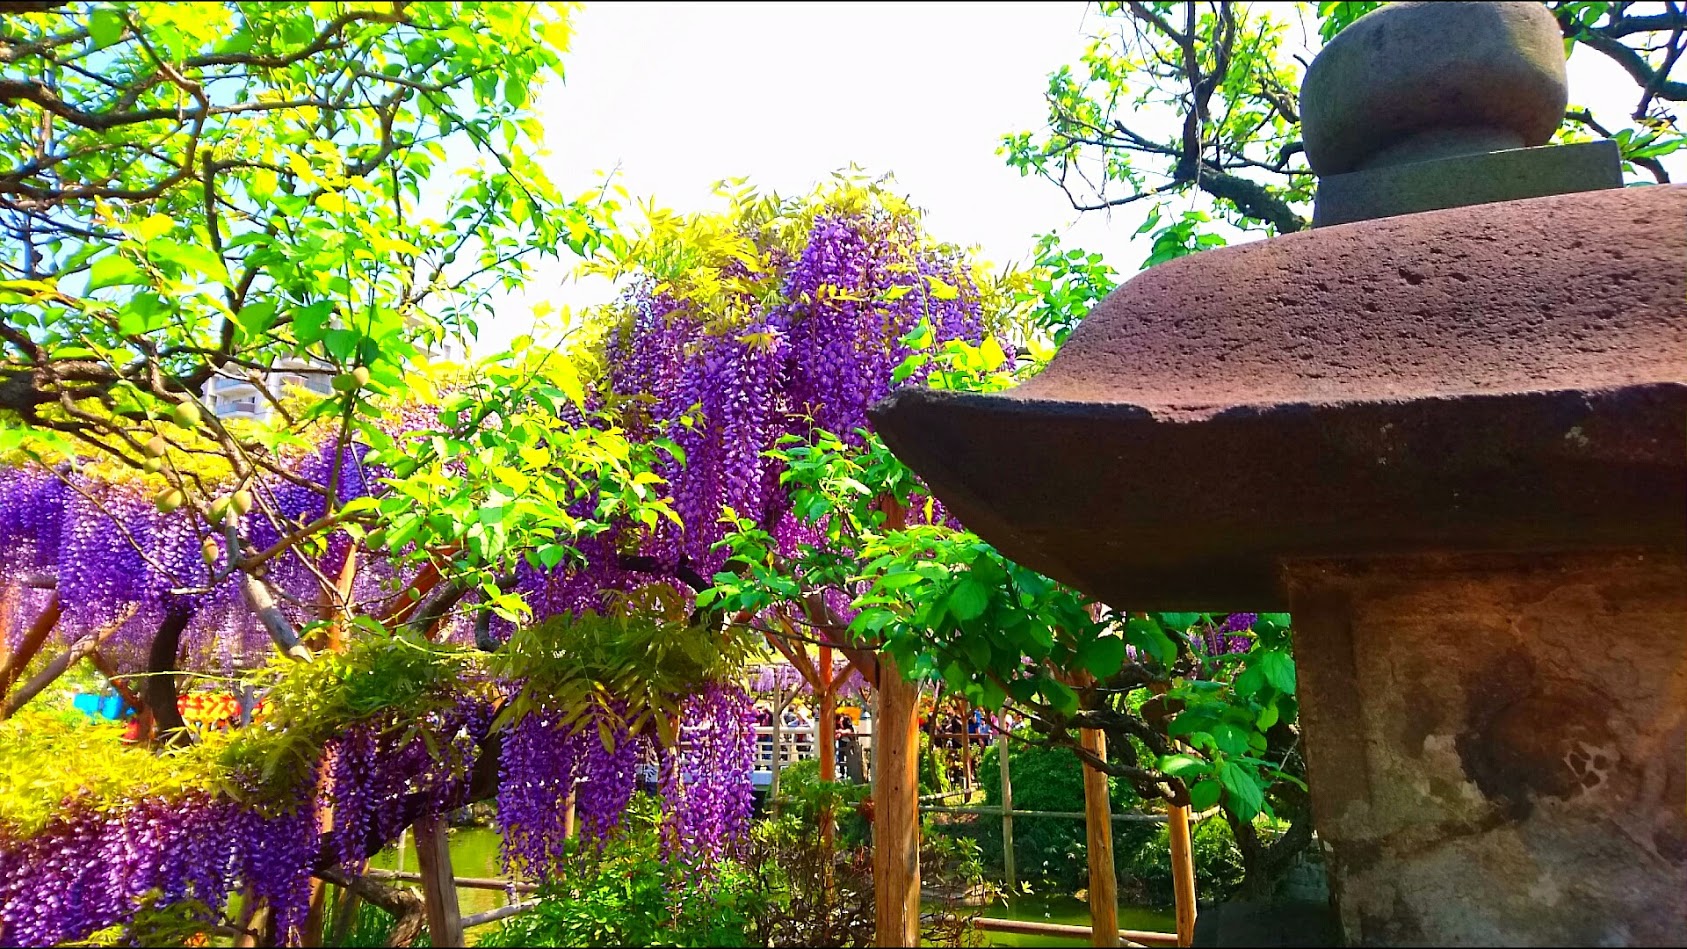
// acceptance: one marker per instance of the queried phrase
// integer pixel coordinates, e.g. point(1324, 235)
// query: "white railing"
point(802, 743)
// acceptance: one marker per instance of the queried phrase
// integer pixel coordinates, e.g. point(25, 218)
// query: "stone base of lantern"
point(1497, 747)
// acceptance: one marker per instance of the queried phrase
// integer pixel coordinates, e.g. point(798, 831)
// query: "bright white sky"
point(677, 96)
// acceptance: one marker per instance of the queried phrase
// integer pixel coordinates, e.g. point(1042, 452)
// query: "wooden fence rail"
point(1074, 815)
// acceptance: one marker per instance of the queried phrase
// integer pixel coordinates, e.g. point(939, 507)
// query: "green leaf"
point(1184, 766)
point(309, 321)
point(968, 599)
point(188, 257)
point(1145, 634)
point(1204, 794)
point(1102, 657)
point(256, 318)
point(114, 271)
point(1278, 669)
point(105, 25)
point(1230, 739)
point(1246, 796)
point(1064, 700)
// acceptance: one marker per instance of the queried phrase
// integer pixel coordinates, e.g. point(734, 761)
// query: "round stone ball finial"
point(1413, 81)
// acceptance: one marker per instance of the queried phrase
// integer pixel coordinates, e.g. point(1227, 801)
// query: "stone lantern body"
point(1452, 442)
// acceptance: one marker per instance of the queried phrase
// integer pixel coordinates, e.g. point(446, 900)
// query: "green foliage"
point(802, 796)
point(636, 664)
point(370, 930)
point(1052, 852)
point(628, 896)
point(1192, 109)
point(516, 470)
point(244, 182)
point(1049, 852)
point(1218, 864)
point(933, 767)
point(1063, 287)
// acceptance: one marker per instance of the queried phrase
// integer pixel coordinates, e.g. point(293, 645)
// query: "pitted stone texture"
point(1567, 292)
point(1420, 69)
point(1494, 746)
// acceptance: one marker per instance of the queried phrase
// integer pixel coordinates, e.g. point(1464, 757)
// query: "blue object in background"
point(110, 705)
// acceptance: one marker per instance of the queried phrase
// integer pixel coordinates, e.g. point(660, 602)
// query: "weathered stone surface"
point(1464, 180)
point(1495, 745)
point(1498, 377)
point(1411, 69)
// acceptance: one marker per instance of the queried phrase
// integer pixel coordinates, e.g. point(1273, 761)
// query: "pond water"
point(474, 853)
point(1071, 912)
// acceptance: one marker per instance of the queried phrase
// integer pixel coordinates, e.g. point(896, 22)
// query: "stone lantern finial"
point(1421, 106)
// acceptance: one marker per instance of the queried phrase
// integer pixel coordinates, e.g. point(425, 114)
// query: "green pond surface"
point(474, 853)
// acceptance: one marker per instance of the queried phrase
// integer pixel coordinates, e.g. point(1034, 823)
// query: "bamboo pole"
point(1025, 927)
point(502, 912)
point(1183, 875)
point(1008, 876)
point(439, 889)
point(896, 823)
point(1098, 829)
point(463, 883)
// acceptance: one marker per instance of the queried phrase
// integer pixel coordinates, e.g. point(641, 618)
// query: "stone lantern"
point(1447, 429)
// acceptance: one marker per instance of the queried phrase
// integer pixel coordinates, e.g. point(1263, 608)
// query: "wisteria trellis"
point(816, 353)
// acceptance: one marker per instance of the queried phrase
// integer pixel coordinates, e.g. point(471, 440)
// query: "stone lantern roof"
point(1505, 377)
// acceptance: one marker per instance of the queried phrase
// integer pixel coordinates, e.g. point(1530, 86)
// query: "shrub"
point(627, 895)
point(1218, 864)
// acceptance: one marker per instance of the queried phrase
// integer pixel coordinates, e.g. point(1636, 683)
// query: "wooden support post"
point(439, 889)
point(780, 700)
point(1008, 877)
point(568, 814)
point(312, 932)
point(966, 750)
point(828, 722)
point(1098, 828)
point(1183, 875)
point(896, 796)
point(253, 921)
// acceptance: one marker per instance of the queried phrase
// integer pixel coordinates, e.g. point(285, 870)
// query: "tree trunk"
point(31, 644)
point(159, 689)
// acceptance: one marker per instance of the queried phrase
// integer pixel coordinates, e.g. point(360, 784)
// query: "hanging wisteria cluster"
point(541, 764)
point(705, 785)
point(1226, 638)
point(375, 783)
point(816, 354)
point(119, 564)
point(92, 868)
point(705, 782)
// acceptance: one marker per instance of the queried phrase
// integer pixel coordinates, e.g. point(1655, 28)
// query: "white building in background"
point(241, 398)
